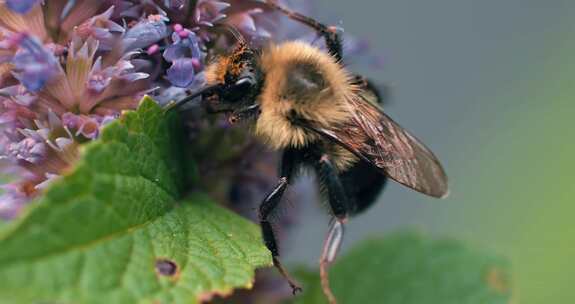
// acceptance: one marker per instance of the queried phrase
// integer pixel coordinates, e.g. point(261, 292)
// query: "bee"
point(302, 101)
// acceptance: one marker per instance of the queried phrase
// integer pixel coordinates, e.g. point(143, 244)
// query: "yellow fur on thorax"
point(328, 108)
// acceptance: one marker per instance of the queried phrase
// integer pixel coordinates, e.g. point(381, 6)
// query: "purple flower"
point(28, 149)
point(181, 73)
point(185, 44)
point(146, 32)
point(101, 78)
point(34, 64)
point(184, 54)
point(101, 28)
point(87, 126)
point(88, 82)
point(65, 71)
point(40, 136)
point(11, 201)
point(15, 103)
point(21, 6)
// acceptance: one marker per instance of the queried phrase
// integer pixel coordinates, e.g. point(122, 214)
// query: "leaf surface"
point(408, 269)
point(115, 229)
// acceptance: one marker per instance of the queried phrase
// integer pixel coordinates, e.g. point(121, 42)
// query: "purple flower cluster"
point(68, 67)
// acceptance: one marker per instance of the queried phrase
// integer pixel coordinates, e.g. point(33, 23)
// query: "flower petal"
point(34, 64)
point(146, 33)
point(11, 202)
point(50, 177)
point(32, 22)
point(131, 77)
point(21, 6)
point(181, 73)
point(79, 65)
point(182, 47)
point(28, 149)
point(101, 28)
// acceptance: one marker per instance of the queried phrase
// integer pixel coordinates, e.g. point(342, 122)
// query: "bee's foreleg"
point(340, 206)
point(272, 200)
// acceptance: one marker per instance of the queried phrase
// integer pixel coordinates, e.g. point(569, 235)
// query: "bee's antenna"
point(233, 31)
point(191, 97)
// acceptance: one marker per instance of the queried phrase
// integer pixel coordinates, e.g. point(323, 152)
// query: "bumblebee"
point(302, 101)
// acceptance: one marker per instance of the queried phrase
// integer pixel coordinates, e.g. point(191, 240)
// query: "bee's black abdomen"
point(363, 184)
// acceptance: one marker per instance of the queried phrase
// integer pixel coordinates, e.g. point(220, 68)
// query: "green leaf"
point(115, 229)
point(409, 269)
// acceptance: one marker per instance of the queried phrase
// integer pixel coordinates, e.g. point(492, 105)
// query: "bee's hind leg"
point(330, 249)
point(340, 207)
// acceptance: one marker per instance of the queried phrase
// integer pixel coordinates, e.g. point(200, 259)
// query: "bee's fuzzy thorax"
point(304, 80)
point(300, 80)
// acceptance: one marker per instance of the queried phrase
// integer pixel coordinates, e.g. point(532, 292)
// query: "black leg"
point(329, 178)
point(206, 91)
point(266, 208)
point(272, 200)
point(331, 35)
point(340, 205)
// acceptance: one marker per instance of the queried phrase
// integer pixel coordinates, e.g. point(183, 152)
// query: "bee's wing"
point(376, 138)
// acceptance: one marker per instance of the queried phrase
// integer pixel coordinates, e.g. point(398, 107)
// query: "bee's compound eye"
point(239, 89)
point(244, 82)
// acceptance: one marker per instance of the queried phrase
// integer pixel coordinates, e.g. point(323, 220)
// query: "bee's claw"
point(295, 289)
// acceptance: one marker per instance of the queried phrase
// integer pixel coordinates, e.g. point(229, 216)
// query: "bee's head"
point(233, 81)
point(238, 78)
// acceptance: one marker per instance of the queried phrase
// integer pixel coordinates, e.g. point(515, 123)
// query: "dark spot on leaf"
point(166, 267)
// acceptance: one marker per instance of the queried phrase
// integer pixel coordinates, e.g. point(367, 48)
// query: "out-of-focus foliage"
point(409, 269)
point(116, 229)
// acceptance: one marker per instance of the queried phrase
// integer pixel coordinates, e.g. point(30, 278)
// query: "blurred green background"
point(489, 86)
